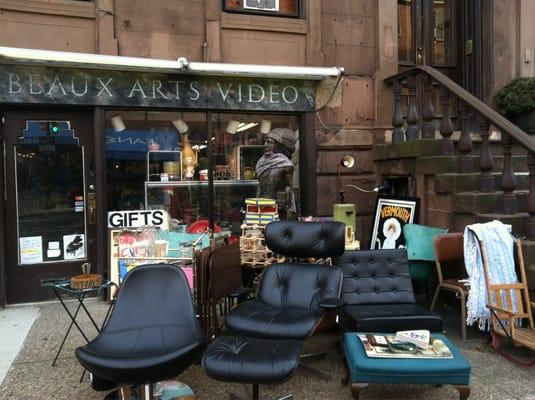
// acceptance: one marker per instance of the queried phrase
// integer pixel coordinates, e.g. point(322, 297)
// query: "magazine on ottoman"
point(387, 346)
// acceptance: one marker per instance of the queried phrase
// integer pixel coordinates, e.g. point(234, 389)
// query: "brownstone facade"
point(359, 35)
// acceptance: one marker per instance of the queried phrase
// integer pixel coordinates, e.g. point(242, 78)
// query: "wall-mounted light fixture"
point(232, 126)
point(117, 123)
point(180, 125)
point(245, 126)
point(265, 126)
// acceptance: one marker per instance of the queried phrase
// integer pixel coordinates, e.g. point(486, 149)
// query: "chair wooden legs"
point(462, 298)
point(435, 298)
point(463, 316)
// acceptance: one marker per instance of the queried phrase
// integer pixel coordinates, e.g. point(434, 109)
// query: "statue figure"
point(275, 169)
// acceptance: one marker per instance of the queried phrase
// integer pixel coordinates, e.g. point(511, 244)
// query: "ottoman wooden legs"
point(356, 388)
point(464, 392)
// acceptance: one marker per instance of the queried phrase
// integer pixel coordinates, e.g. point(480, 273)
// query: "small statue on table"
point(275, 169)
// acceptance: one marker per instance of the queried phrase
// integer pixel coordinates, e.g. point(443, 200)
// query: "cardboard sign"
point(137, 219)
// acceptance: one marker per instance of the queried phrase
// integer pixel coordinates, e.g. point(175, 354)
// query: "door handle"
point(92, 207)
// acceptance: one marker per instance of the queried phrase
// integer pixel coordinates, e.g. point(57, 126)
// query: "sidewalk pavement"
point(31, 376)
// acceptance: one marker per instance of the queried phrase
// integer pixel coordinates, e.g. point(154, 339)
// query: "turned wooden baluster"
point(397, 119)
point(465, 164)
point(530, 224)
point(486, 180)
point(412, 112)
point(428, 110)
point(508, 176)
point(446, 126)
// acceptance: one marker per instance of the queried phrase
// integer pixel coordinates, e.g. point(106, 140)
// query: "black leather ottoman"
point(250, 360)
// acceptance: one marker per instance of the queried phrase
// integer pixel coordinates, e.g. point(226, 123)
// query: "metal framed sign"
point(56, 85)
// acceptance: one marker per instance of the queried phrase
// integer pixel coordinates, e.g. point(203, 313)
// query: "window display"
point(159, 161)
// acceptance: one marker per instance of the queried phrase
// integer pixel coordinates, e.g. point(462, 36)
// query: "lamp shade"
point(180, 125)
point(347, 161)
point(117, 123)
point(265, 126)
point(232, 126)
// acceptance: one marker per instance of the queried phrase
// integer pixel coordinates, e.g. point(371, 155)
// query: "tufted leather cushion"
point(248, 360)
point(376, 277)
point(389, 318)
point(306, 239)
point(378, 290)
point(152, 333)
point(287, 303)
point(257, 319)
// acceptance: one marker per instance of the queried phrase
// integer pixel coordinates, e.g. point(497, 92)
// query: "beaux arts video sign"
point(51, 85)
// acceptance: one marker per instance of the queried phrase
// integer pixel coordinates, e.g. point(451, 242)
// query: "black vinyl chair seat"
point(125, 363)
point(250, 360)
point(257, 319)
point(378, 292)
point(268, 332)
point(287, 305)
point(152, 333)
point(388, 318)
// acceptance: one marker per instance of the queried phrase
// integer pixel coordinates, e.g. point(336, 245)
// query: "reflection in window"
point(160, 160)
point(405, 29)
point(442, 32)
point(288, 8)
point(50, 193)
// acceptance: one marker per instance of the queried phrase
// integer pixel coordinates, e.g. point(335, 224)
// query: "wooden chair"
point(449, 261)
point(500, 302)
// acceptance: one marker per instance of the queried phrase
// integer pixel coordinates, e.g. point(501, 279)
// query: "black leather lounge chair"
point(378, 293)
point(266, 334)
point(152, 333)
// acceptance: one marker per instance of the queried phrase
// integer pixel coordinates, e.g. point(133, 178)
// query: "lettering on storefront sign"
point(136, 219)
point(51, 85)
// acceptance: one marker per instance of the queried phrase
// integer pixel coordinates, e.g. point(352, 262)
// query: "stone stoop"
point(452, 198)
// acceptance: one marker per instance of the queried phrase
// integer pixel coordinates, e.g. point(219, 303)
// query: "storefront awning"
point(181, 65)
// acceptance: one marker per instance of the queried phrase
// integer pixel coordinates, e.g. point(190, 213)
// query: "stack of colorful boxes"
point(259, 213)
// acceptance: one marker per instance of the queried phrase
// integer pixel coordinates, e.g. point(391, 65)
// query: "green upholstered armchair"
point(421, 252)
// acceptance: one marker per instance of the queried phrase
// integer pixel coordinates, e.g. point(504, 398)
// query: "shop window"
point(162, 161)
point(285, 8)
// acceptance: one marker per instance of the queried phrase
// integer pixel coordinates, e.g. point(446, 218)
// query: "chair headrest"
point(306, 239)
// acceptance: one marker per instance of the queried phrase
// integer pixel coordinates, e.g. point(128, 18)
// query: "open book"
point(387, 346)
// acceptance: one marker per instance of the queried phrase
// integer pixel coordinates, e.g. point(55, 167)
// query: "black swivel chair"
point(378, 292)
point(266, 334)
point(152, 333)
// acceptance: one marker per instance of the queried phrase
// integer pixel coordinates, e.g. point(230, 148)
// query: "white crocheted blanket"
point(498, 242)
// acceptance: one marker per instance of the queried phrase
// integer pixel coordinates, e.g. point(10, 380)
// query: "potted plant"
point(517, 101)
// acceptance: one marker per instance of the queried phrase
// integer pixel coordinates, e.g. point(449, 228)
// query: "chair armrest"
point(532, 303)
point(510, 313)
point(332, 302)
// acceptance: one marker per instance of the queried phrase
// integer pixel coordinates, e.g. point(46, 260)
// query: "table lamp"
point(346, 212)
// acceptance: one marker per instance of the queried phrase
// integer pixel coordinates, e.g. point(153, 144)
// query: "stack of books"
point(260, 211)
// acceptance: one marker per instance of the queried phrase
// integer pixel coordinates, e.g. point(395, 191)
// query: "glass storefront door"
point(51, 200)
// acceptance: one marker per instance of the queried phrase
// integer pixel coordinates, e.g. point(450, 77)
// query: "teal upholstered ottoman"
point(364, 370)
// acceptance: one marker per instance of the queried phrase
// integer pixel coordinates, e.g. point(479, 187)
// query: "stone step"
point(447, 164)
point(485, 203)
point(457, 182)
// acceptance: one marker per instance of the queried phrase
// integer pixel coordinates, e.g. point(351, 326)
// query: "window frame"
point(298, 14)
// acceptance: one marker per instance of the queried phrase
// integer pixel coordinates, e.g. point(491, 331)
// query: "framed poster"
point(391, 213)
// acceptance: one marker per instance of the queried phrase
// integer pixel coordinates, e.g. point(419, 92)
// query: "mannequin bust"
point(275, 169)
